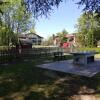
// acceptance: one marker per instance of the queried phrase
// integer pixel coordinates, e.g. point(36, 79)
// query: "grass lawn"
point(90, 49)
point(24, 81)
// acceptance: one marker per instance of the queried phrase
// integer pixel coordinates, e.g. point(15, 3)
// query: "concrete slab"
point(67, 66)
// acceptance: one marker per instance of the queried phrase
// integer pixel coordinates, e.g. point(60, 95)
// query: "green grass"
point(24, 81)
point(90, 49)
point(4, 47)
point(97, 56)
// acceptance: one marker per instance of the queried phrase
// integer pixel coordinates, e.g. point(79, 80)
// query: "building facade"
point(70, 41)
point(31, 38)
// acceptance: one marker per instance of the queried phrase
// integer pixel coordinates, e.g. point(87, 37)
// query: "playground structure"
point(70, 41)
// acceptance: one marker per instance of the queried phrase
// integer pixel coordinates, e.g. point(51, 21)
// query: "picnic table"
point(83, 58)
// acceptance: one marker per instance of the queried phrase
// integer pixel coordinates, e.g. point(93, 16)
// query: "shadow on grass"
point(26, 81)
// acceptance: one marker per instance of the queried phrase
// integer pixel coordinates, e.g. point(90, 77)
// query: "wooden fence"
point(13, 54)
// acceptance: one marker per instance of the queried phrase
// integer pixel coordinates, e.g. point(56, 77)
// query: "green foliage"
point(88, 31)
point(33, 30)
point(43, 7)
point(64, 39)
point(5, 35)
point(48, 41)
point(90, 49)
point(90, 5)
point(62, 35)
point(47, 6)
point(64, 32)
point(15, 19)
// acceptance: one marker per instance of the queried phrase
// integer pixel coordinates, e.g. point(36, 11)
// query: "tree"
point(15, 18)
point(22, 8)
point(43, 7)
point(88, 30)
point(64, 32)
point(62, 36)
point(90, 5)
point(5, 35)
point(2, 3)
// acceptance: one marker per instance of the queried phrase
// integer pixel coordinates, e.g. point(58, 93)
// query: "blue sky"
point(65, 17)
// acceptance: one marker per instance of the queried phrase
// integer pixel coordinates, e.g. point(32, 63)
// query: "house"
point(70, 41)
point(35, 38)
point(30, 38)
point(56, 40)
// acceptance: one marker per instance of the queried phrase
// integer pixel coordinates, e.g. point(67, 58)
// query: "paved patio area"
point(67, 66)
